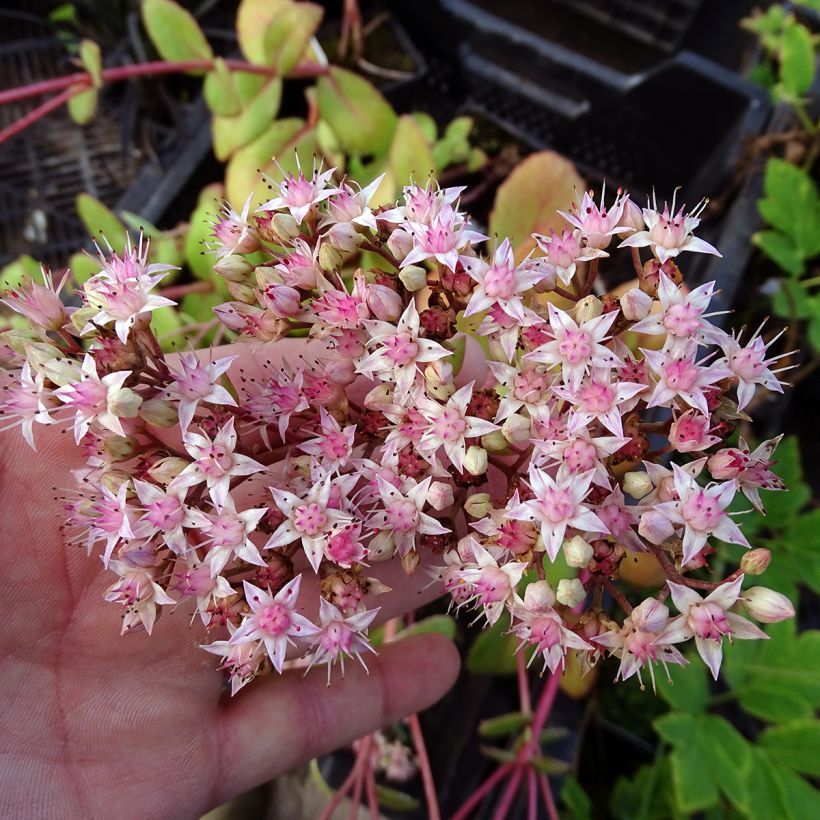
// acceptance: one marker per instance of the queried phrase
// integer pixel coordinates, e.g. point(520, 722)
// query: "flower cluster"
point(261, 489)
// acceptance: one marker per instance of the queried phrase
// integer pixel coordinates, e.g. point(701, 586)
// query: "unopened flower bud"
point(124, 402)
point(62, 371)
point(379, 398)
point(329, 257)
point(114, 479)
point(384, 303)
point(632, 216)
point(400, 243)
point(340, 371)
point(538, 596)
point(38, 353)
point(475, 460)
point(167, 469)
point(302, 465)
point(727, 463)
point(344, 237)
point(413, 277)
point(282, 300)
point(234, 268)
point(655, 527)
point(570, 592)
point(267, 276)
point(516, 428)
point(82, 316)
point(478, 505)
point(120, 448)
point(439, 382)
point(242, 292)
point(285, 226)
point(578, 553)
point(159, 412)
point(635, 304)
point(495, 442)
point(588, 308)
point(756, 561)
point(440, 495)
point(381, 547)
point(410, 562)
point(637, 484)
point(766, 605)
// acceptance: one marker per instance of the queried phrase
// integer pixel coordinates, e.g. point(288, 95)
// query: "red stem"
point(43, 110)
point(532, 795)
point(509, 794)
point(481, 792)
point(433, 811)
point(149, 69)
point(549, 800)
point(543, 710)
point(372, 797)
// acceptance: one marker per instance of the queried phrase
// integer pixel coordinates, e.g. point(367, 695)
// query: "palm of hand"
point(95, 724)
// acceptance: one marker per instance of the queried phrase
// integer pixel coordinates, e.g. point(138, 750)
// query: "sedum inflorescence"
point(471, 416)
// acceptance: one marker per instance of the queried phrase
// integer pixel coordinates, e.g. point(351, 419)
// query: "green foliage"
point(289, 33)
point(796, 60)
point(493, 652)
point(174, 32)
point(435, 624)
point(360, 117)
point(101, 221)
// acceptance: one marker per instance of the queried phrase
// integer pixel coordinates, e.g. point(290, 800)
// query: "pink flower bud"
point(440, 495)
point(384, 303)
point(727, 463)
point(570, 592)
point(632, 216)
point(635, 304)
point(344, 237)
point(756, 561)
point(655, 527)
point(282, 300)
point(766, 605)
point(691, 432)
point(400, 243)
point(538, 596)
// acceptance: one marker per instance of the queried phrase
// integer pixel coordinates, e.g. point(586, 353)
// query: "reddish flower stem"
point(532, 795)
point(372, 796)
point(509, 794)
point(636, 262)
point(618, 596)
point(549, 800)
point(360, 766)
point(152, 68)
point(43, 110)
point(673, 575)
point(483, 790)
point(542, 712)
point(433, 811)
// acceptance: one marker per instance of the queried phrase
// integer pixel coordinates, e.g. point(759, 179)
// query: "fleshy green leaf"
point(576, 799)
point(200, 231)
point(82, 106)
point(528, 199)
point(438, 624)
point(233, 133)
point(220, 91)
point(396, 800)
point(289, 33)
point(252, 21)
point(15, 273)
point(100, 220)
point(359, 115)
point(796, 59)
point(82, 267)
point(175, 33)
point(283, 140)
point(91, 59)
point(493, 652)
point(410, 158)
point(504, 725)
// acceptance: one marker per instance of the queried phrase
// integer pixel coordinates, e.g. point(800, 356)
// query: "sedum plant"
point(459, 414)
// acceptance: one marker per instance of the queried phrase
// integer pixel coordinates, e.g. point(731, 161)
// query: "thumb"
point(282, 722)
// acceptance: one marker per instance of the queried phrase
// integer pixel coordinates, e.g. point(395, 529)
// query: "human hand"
point(95, 724)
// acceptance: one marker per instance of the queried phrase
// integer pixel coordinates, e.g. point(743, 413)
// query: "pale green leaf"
point(175, 33)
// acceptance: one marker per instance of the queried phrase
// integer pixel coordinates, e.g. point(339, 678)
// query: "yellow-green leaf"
point(91, 59)
point(411, 157)
point(361, 118)
point(98, 219)
point(527, 201)
point(15, 273)
point(289, 34)
point(252, 21)
point(232, 133)
point(175, 33)
point(82, 106)
point(284, 140)
point(221, 92)
point(200, 230)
